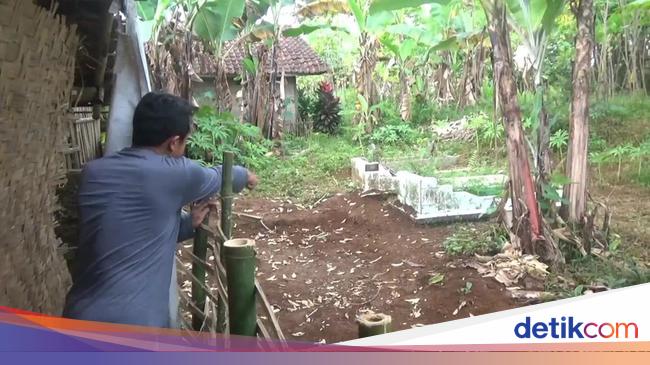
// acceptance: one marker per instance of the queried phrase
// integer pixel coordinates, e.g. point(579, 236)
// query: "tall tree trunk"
point(527, 224)
point(365, 84)
point(605, 86)
point(575, 193)
point(544, 167)
point(405, 94)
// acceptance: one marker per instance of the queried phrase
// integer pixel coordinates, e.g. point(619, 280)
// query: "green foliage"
point(469, 240)
point(305, 29)
point(213, 21)
point(422, 111)
point(378, 6)
point(309, 169)
point(536, 15)
point(394, 134)
point(487, 130)
point(307, 100)
point(616, 271)
point(219, 132)
point(327, 113)
point(466, 289)
point(481, 189)
point(559, 140)
point(146, 9)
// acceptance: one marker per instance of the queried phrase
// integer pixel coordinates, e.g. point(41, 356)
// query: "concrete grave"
point(422, 197)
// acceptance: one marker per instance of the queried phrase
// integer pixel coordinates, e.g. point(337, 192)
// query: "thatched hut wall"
point(37, 54)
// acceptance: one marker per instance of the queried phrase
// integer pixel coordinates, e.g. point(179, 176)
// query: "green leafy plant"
point(480, 189)
point(467, 288)
point(619, 153)
point(394, 134)
point(486, 129)
point(469, 241)
point(307, 100)
point(559, 141)
point(599, 159)
point(640, 152)
point(219, 132)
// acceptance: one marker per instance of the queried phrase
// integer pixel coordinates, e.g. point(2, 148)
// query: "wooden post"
point(200, 250)
point(226, 226)
point(239, 257)
point(373, 324)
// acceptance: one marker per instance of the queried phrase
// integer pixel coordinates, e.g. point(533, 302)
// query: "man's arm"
point(204, 182)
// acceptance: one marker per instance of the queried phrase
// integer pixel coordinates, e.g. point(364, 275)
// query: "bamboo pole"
point(199, 251)
point(226, 225)
point(372, 324)
point(226, 194)
point(239, 257)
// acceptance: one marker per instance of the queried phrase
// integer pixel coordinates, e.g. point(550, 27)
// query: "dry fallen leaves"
point(436, 278)
point(462, 304)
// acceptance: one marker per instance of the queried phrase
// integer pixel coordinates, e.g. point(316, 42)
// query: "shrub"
point(219, 132)
point(327, 117)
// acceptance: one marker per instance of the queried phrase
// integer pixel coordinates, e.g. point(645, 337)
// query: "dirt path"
point(322, 267)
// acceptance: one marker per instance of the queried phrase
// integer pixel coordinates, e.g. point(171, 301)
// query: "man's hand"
point(252, 180)
point(201, 210)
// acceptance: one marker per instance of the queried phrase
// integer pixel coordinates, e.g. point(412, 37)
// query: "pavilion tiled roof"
point(294, 55)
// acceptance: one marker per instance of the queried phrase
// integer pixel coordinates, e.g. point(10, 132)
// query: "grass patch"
point(470, 240)
point(621, 119)
point(615, 271)
point(485, 190)
point(309, 168)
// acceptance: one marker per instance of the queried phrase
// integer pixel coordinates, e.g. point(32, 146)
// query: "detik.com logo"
point(568, 327)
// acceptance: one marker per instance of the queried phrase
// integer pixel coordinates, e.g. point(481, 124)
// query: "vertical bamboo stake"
point(239, 257)
point(372, 324)
point(226, 194)
point(200, 250)
point(226, 225)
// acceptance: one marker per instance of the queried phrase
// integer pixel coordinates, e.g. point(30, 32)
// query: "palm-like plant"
point(618, 153)
point(559, 141)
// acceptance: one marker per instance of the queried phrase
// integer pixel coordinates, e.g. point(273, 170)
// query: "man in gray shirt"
point(131, 218)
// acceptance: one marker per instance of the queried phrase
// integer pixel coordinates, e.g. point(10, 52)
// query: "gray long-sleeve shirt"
point(130, 222)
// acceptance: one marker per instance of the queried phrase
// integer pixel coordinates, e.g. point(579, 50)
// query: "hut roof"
point(295, 58)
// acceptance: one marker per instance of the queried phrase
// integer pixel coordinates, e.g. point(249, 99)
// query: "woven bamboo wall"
point(36, 74)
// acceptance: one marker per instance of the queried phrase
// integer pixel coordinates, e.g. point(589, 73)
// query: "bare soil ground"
point(322, 267)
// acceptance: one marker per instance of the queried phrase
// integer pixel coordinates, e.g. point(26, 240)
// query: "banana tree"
point(215, 22)
point(402, 53)
point(528, 231)
point(574, 205)
point(533, 21)
point(407, 40)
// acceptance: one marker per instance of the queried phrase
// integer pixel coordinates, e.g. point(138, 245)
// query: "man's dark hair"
point(158, 117)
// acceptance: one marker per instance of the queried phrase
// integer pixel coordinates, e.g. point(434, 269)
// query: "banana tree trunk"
point(575, 193)
point(527, 226)
point(365, 85)
point(443, 83)
point(604, 83)
point(405, 94)
point(544, 167)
